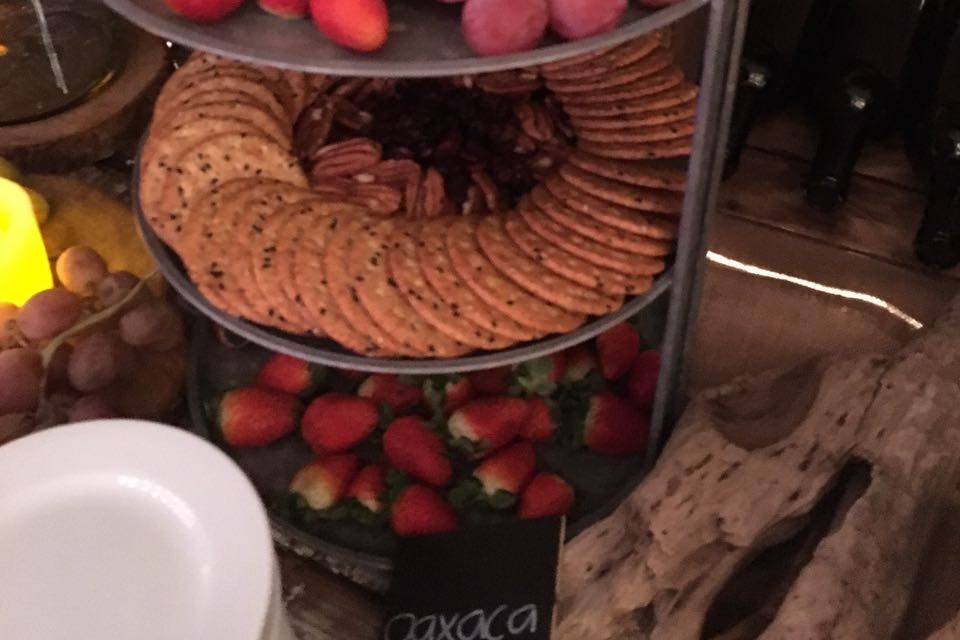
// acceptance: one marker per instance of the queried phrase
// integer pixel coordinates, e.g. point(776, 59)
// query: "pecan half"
point(313, 128)
point(535, 120)
point(346, 158)
point(509, 82)
point(488, 189)
point(351, 116)
point(432, 194)
point(378, 198)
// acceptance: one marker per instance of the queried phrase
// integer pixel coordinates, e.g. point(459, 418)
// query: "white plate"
point(127, 530)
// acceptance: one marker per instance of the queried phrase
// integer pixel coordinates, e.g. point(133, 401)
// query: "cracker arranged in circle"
point(438, 271)
point(653, 63)
point(239, 249)
point(343, 287)
point(620, 56)
point(241, 110)
point(272, 255)
point(497, 290)
point(639, 134)
point(543, 283)
point(628, 196)
point(584, 247)
point(379, 294)
point(605, 212)
point(215, 160)
point(310, 280)
point(659, 82)
point(404, 269)
point(642, 151)
point(245, 87)
point(641, 174)
point(571, 266)
point(615, 238)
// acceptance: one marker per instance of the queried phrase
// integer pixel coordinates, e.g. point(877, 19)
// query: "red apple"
point(287, 9)
point(576, 19)
point(497, 27)
point(356, 24)
point(204, 10)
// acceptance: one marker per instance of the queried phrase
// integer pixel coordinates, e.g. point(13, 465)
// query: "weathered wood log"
point(752, 467)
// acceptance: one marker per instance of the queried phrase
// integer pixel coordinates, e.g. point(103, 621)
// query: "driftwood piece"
point(817, 487)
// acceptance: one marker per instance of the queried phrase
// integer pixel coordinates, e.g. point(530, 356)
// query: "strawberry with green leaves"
point(368, 487)
point(617, 348)
point(547, 495)
point(390, 389)
point(289, 375)
point(498, 480)
point(490, 382)
point(419, 510)
point(487, 424)
point(337, 422)
point(614, 426)
point(252, 417)
point(581, 363)
point(416, 450)
point(447, 393)
point(541, 375)
point(322, 483)
point(540, 424)
point(642, 384)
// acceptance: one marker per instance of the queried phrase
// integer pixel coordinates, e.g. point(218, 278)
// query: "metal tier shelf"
point(424, 41)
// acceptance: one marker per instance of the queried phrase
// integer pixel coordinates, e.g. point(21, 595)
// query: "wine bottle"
point(938, 238)
point(859, 91)
point(778, 42)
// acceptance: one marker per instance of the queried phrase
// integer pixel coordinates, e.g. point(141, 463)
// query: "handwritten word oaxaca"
point(499, 624)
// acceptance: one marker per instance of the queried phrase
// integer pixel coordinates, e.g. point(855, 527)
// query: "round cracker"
point(640, 174)
point(631, 221)
point(602, 233)
point(640, 134)
point(570, 266)
point(500, 250)
point(626, 195)
point(497, 290)
point(213, 82)
point(216, 160)
point(653, 63)
point(585, 247)
point(343, 288)
point(438, 271)
point(620, 56)
point(310, 280)
point(643, 151)
point(405, 271)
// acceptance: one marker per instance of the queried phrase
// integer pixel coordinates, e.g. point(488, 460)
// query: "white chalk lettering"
point(517, 624)
point(388, 632)
point(477, 627)
point(488, 624)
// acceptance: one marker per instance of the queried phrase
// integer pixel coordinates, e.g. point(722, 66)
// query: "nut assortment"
point(422, 218)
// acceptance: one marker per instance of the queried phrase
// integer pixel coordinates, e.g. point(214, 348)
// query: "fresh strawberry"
point(539, 425)
point(488, 423)
point(323, 482)
point(367, 488)
point(287, 9)
point(642, 385)
point(386, 387)
point(418, 510)
point(541, 375)
point(490, 382)
point(547, 495)
point(337, 422)
point(412, 448)
point(508, 469)
point(581, 362)
point(456, 394)
point(618, 348)
point(614, 426)
point(204, 10)
point(288, 374)
point(250, 417)
point(357, 24)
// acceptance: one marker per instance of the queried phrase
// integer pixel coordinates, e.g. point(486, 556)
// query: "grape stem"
point(105, 314)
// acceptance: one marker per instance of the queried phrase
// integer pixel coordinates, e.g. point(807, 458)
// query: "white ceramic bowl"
point(128, 530)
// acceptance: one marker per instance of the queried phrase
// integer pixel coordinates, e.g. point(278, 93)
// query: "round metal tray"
point(424, 40)
point(329, 353)
point(360, 552)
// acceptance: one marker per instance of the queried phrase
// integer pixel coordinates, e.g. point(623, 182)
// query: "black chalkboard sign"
point(483, 583)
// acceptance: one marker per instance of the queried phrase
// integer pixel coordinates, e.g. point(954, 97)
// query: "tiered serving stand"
point(425, 41)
